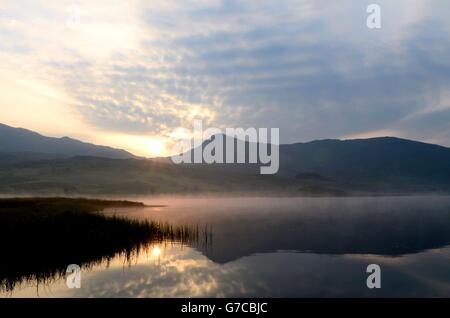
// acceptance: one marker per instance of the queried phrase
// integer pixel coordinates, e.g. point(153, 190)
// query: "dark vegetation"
point(40, 237)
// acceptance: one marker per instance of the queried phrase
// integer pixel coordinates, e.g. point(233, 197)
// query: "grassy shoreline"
point(40, 237)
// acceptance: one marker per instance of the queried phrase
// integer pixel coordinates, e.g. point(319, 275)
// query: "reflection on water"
point(280, 247)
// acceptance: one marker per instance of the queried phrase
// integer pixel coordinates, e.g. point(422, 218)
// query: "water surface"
point(279, 247)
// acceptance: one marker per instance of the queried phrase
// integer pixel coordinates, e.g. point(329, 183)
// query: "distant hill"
point(383, 162)
point(29, 143)
point(380, 161)
point(31, 163)
point(367, 166)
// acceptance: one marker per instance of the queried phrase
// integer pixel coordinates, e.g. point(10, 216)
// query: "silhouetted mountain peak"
point(19, 140)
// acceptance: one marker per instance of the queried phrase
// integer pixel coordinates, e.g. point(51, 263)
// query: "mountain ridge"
point(21, 140)
point(385, 138)
point(380, 165)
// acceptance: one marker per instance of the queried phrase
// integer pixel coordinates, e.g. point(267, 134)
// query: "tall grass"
point(40, 237)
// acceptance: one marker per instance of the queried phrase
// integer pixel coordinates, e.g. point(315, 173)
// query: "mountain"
point(31, 163)
point(27, 143)
point(375, 164)
point(378, 161)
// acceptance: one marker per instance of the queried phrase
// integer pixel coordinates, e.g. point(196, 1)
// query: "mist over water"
point(282, 247)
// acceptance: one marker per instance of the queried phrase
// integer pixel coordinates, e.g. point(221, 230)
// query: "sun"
point(155, 147)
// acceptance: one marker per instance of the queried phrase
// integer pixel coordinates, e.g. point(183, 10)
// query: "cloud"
point(312, 68)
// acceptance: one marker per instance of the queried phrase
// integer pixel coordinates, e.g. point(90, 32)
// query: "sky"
point(133, 74)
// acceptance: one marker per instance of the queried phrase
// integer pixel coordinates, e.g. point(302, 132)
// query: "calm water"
point(280, 247)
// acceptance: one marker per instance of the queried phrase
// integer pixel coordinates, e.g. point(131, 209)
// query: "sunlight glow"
point(156, 251)
point(156, 147)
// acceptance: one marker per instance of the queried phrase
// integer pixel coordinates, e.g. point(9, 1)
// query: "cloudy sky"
point(130, 73)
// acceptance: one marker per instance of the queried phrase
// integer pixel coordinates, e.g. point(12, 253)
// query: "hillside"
point(384, 161)
point(23, 141)
point(31, 163)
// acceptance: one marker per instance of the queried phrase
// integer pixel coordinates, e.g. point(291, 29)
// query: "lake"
point(278, 247)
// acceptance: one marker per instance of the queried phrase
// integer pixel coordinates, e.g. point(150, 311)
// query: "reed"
point(40, 237)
